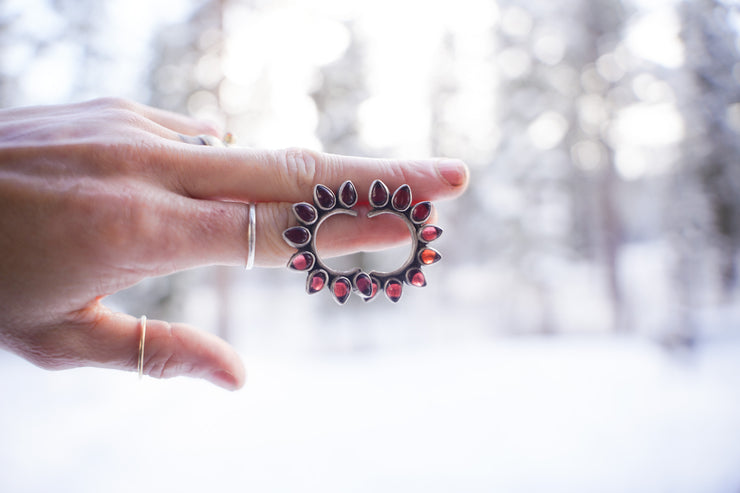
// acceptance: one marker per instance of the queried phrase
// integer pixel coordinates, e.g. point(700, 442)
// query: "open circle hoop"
point(367, 285)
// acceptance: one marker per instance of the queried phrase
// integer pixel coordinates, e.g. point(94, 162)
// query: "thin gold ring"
point(142, 324)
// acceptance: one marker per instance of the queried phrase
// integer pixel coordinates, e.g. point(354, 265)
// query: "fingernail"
point(224, 379)
point(453, 171)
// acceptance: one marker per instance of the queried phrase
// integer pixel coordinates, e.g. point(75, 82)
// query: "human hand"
point(95, 197)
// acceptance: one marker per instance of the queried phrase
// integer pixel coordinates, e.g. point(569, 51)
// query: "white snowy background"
point(572, 414)
point(529, 363)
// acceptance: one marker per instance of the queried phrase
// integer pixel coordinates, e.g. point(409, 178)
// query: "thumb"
point(170, 350)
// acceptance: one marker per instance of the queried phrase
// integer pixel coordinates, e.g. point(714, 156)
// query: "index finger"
point(289, 175)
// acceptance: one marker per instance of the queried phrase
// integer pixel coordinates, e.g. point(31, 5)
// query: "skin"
point(95, 197)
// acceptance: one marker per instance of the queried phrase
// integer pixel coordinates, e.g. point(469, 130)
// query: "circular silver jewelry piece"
point(367, 285)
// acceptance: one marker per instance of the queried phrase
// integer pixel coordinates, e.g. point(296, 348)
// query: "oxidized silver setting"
point(367, 285)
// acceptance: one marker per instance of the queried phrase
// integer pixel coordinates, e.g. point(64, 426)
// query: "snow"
point(570, 414)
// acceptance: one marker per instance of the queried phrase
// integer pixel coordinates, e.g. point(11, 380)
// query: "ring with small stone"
point(366, 284)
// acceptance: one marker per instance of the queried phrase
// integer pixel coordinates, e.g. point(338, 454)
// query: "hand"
point(95, 197)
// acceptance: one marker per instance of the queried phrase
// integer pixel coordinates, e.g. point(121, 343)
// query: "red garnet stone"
point(297, 236)
point(342, 289)
point(378, 194)
point(401, 198)
point(316, 282)
point(301, 261)
point(348, 194)
point(429, 256)
point(430, 233)
point(415, 277)
point(324, 197)
point(364, 284)
point(393, 290)
point(305, 212)
point(421, 212)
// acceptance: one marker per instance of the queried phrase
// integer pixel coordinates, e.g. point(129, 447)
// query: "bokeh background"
point(581, 333)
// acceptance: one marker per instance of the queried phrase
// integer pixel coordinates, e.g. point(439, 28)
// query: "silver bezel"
point(293, 243)
point(381, 278)
point(300, 219)
point(340, 192)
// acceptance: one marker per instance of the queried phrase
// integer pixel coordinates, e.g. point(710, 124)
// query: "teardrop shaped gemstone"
point(429, 256)
point(305, 212)
point(341, 289)
point(374, 290)
point(415, 277)
point(364, 284)
point(430, 233)
point(316, 281)
point(401, 198)
point(301, 261)
point(297, 236)
point(347, 194)
point(421, 212)
point(324, 197)
point(379, 194)
point(393, 290)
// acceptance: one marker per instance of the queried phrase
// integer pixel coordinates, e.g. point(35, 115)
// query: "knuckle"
point(112, 102)
point(117, 112)
point(398, 171)
point(300, 166)
point(160, 364)
point(162, 360)
point(124, 116)
point(132, 152)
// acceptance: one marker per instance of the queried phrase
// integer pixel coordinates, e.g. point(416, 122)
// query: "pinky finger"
point(180, 123)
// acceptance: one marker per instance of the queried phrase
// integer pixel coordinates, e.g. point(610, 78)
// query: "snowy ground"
point(569, 414)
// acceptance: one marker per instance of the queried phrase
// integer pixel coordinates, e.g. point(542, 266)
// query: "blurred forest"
point(603, 138)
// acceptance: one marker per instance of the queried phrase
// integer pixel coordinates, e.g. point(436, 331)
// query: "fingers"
point(339, 235)
point(205, 220)
point(176, 123)
point(289, 175)
point(106, 120)
point(219, 231)
point(180, 123)
point(201, 232)
point(170, 350)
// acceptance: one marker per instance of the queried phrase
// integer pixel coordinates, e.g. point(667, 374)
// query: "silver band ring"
point(251, 235)
point(142, 339)
point(366, 285)
point(229, 139)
